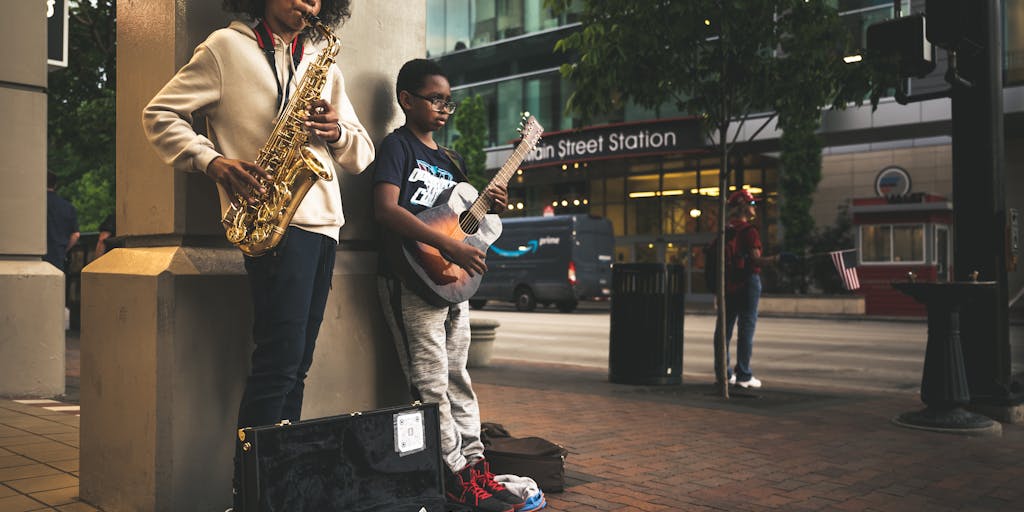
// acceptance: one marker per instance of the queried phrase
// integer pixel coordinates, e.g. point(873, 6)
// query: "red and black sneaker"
point(485, 479)
point(462, 489)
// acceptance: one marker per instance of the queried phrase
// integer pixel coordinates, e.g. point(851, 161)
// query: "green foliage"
point(471, 122)
point(801, 172)
point(81, 109)
point(837, 237)
point(653, 53)
point(725, 60)
point(721, 59)
point(811, 74)
point(815, 273)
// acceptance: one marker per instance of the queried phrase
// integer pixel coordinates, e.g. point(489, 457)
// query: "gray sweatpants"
point(433, 345)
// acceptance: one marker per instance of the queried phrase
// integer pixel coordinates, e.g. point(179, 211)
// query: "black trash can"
point(646, 340)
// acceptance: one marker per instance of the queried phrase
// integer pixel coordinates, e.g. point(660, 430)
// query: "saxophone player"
point(241, 78)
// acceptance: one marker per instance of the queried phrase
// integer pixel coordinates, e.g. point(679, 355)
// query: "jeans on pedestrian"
point(741, 307)
point(289, 288)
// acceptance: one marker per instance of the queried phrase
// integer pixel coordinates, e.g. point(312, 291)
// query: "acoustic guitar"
point(461, 213)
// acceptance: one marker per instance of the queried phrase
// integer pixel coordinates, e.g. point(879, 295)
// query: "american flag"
point(846, 265)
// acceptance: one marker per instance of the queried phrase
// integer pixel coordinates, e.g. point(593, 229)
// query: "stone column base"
point(166, 344)
point(31, 329)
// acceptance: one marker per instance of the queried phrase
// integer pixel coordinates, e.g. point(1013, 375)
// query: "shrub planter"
point(481, 342)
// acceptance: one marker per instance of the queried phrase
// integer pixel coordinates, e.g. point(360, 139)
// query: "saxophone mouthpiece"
point(312, 19)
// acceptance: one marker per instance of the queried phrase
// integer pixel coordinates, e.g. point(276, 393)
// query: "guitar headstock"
point(530, 129)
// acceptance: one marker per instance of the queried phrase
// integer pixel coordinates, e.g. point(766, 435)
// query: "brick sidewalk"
point(654, 449)
point(38, 459)
point(635, 448)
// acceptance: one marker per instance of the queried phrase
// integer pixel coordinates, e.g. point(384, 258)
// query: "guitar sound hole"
point(469, 224)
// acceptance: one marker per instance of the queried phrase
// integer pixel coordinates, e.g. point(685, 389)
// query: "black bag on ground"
point(533, 457)
point(388, 460)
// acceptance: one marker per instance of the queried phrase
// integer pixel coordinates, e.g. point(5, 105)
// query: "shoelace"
point(479, 493)
point(486, 479)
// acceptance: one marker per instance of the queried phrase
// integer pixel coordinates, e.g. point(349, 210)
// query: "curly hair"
point(332, 12)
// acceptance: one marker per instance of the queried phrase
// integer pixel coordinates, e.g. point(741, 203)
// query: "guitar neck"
point(482, 204)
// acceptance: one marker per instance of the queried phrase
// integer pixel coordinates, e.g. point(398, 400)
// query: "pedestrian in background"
point(61, 225)
point(108, 230)
point(743, 262)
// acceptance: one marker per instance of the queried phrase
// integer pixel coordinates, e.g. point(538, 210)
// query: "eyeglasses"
point(438, 103)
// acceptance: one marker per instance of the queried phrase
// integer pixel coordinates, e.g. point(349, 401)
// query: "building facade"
point(651, 175)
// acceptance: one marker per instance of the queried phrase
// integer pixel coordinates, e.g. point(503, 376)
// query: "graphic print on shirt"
point(433, 180)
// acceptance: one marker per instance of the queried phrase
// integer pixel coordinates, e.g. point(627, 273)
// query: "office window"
point(485, 22)
point(901, 243)
point(448, 26)
point(536, 17)
point(435, 27)
point(510, 108)
point(1013, 61)
point(510, 18)
point(850, 5)
point(875, 243)
point(616, 214)
point(505, 102)
point(908, 243)
point(857, 23)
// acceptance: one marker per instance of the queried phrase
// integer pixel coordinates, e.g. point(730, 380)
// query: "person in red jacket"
point(742, 284)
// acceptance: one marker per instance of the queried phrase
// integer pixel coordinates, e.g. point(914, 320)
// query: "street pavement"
point(868, 355)
point(794, 445)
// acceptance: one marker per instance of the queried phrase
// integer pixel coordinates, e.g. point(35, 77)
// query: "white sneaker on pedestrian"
point(752, 383)
point(732, 380)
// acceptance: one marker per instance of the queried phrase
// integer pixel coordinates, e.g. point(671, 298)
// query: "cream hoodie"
point(230, 81)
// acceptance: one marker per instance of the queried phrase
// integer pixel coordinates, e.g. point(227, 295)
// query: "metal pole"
point(979, 183)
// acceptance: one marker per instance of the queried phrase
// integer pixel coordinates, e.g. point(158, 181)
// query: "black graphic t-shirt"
point(421, 173)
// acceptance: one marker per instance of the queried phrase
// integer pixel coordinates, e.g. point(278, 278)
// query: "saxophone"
point(286, 156)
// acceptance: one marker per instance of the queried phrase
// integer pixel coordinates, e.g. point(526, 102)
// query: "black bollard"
point(944, 388)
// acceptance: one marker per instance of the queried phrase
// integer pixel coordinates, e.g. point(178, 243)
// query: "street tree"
point(81, 107)
point(471, 123)
point(724, 60)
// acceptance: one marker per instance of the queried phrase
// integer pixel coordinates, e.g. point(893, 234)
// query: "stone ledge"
point(805, 305)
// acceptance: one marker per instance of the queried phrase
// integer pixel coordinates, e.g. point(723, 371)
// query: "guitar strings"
point(471, 223)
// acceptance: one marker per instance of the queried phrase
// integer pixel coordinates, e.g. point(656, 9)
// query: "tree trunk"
point(721, 371)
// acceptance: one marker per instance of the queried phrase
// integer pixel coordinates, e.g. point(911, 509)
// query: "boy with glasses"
point(412, 170)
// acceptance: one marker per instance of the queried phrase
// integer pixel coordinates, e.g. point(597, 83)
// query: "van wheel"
point(477, 303)
point(525, 301)
point(567, 306)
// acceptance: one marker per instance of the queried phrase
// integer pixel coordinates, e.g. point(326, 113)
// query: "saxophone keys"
point(259, 234)
point(235, 234)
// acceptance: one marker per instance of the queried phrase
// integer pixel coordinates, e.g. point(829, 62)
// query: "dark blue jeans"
point(741, 306)
point(289, 294)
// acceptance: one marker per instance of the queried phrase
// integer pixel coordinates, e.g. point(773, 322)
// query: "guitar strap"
point(455, 161)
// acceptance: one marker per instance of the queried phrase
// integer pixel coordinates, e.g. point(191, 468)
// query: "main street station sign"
point(663, 136)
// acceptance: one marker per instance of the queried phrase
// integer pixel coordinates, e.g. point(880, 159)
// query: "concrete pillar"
point(31, 290)
point(165, 321)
